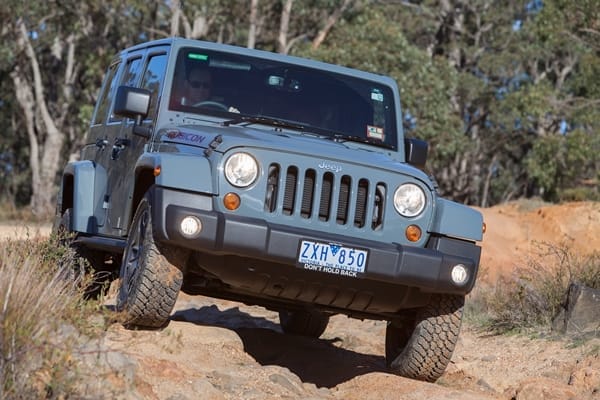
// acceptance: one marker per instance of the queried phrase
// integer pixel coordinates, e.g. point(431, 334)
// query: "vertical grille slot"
point(308, 193)
point(272, 188)
point(326, 193)
point(289, 197)
point(378, 206)
point(344, 199)
point(362, 195)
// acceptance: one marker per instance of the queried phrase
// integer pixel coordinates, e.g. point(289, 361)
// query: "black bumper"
point(428, 269)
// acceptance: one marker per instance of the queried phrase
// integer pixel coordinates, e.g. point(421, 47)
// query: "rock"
point(385, 386)
point(205, 390)
point(542, 388)
point(587, 379)
point(284, 382)
point(581, 312)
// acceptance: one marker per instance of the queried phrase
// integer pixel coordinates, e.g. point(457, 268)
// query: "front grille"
point(324, 196)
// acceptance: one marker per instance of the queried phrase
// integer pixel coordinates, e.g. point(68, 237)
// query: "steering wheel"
point(211, 104)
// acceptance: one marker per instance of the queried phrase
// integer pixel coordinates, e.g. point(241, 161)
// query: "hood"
point(224, 138)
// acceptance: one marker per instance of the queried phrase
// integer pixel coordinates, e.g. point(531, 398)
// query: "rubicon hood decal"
point(175, 135)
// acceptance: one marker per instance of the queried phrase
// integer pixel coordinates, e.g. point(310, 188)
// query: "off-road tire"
point(310, 323)
point(421, 347)
point(149, 283)
point(82, 261)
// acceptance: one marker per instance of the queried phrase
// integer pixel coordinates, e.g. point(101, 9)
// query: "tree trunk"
point(284, 27)
point(24, 96)
point(44, 159)
point(175, 17)
point(331, 21)
point(253, 23)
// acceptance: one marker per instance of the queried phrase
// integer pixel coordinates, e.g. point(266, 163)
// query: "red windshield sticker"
point(375, 132)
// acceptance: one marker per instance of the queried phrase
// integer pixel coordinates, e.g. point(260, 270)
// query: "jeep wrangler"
point(274, 181)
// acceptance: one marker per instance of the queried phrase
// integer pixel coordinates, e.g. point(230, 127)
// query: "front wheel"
point(150, 283)
point(421, 346)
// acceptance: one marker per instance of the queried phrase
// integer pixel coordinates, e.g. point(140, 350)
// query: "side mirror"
point(415, 152)
point(132, 102)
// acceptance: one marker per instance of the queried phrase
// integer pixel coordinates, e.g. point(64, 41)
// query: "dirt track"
point(224, 350)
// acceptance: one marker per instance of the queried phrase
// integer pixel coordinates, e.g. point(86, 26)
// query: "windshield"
point(254, 90)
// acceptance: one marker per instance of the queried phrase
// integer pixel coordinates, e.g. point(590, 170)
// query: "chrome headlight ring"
point(409, 200)
point(241, 169)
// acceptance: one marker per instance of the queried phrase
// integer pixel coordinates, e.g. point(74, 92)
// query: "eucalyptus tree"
point(523, 85)
point(54, 57)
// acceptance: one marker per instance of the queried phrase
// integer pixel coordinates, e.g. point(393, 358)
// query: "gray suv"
point(271, 180)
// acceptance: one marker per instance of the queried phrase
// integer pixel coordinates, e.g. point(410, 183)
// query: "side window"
point(153, 79)
point(129, 78)
point(132, 71)
point(108, 89)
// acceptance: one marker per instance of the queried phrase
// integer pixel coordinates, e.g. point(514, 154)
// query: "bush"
point(533, 295)
point(41, 316)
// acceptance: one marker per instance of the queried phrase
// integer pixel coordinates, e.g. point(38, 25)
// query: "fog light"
point(413, 233)
point(231, 201)
point(459, 274)
point(190, 226)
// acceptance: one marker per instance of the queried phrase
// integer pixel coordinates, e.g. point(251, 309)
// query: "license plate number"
point(332, 257)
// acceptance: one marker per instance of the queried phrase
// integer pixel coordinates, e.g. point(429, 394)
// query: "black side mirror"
point(133, 103)
point(415, 151)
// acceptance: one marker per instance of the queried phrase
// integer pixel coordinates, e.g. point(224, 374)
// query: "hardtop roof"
point(178, 42)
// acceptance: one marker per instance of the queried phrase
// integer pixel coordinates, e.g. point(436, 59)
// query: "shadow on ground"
point(317, 361)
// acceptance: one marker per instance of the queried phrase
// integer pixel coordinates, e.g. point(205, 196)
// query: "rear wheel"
point(421, 346)
point(149, 283)
point(82, 264)
point(311, 323)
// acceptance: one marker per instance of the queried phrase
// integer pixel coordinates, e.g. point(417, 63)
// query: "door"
point(96, 147)
point(105, 129)
point(126, 148)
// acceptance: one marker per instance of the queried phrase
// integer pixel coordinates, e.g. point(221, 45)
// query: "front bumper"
point(428, 269)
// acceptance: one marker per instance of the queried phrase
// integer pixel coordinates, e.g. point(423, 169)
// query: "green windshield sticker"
point(196, 56)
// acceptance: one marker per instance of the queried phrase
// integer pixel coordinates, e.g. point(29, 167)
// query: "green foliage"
point(373, 42)
point(560, 163)
point(491, 100)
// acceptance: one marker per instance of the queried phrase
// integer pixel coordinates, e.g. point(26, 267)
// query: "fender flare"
point(82, 188)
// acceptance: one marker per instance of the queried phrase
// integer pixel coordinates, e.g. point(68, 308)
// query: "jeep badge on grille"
point(330, 166)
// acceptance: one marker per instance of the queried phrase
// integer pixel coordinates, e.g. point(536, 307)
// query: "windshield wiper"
point(259, 119)
point(359, 139)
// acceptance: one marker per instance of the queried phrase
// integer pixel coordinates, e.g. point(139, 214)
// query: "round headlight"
point(409, 200)
point(241, 169)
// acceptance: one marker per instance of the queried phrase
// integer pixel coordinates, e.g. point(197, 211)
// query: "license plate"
point(332, 258)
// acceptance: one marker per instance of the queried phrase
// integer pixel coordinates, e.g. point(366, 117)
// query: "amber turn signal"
point(413, 233)
point(484, 228)
point(157, 170)
point(231, 201)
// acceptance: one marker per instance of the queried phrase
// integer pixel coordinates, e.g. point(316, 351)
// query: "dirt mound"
point(516, 230)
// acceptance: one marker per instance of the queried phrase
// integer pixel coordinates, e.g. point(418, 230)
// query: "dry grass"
point(534, 294)
point(9, 212)
point(42, 315)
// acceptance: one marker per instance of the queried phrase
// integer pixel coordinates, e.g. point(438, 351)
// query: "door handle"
point(118, 146)
point(101, 143)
